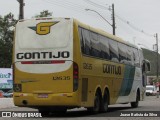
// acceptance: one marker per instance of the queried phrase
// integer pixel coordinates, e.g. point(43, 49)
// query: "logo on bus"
point(43, 28)
point(43, 55)
point(112, 69)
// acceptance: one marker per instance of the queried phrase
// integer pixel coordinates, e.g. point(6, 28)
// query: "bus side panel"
point(130, 85)
point(100, 73)
point(127, 81)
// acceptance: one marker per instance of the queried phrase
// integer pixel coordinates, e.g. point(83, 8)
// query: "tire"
point(96, 108)
point(136, 103)
point(44, 111)
point(104, 102)
point(59, 110)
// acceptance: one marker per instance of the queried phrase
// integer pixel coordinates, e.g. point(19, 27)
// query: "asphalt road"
point(148, 107)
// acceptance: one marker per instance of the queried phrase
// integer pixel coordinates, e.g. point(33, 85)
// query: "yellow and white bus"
point(61, 63)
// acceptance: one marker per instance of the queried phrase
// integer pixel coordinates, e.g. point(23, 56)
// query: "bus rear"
point(44, 71)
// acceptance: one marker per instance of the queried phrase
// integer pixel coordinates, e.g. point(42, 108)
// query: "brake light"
point(13, 73)
point(75, 76)
point(16, 87)
point(44, 62)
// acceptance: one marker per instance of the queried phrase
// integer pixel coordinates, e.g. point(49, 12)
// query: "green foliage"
point(44, 13)
point(7, 24)
point(154, 81)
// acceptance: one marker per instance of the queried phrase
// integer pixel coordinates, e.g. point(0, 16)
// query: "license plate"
point(42, 95)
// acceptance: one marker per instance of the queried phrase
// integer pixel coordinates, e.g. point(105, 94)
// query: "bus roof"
point(104, 33)
point(78, 23)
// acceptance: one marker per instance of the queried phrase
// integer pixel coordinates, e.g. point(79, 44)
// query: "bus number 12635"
point(61, 77)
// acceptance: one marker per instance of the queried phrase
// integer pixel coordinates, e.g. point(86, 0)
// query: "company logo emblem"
point(43, 28)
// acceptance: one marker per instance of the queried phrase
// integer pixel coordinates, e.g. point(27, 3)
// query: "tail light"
point(75, 76)
point(13, 72)
point(16, 87)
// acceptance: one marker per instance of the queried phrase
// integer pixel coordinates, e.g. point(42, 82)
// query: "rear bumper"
point(32, 100)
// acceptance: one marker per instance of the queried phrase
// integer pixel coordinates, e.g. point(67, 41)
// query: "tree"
point(7, 24)
point(44, 13)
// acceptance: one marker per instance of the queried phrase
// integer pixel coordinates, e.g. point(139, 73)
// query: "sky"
point(137, 21)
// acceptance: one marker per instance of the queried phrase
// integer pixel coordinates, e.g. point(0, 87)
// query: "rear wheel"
point(96, 107)
point(136, 103)
point(59, 110)
point(44, 111)
point(105, 101)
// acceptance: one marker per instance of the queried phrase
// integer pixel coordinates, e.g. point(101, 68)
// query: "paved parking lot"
point(151, 104)
point(6, 103)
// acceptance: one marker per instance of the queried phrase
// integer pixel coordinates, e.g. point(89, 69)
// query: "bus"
point(61, 63)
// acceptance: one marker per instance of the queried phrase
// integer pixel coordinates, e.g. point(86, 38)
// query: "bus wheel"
point(136, 103)
point(59, 110)
point(44, 111)
point(95, 109)
point(104, 104)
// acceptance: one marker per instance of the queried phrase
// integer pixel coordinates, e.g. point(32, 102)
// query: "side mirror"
point(146, 65)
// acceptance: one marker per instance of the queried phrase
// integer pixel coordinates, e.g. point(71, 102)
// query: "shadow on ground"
point(112, 112)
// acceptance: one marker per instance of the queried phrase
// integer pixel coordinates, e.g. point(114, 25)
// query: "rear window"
point(36, 34)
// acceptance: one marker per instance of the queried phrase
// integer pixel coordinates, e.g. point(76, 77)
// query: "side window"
point(130, 55)
point(122, 53)
point(141, 56)
point(81, 39)
point(136, 57)
point(104, 47)
point(86, 41)
point(113, 47)
point(95, 50)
